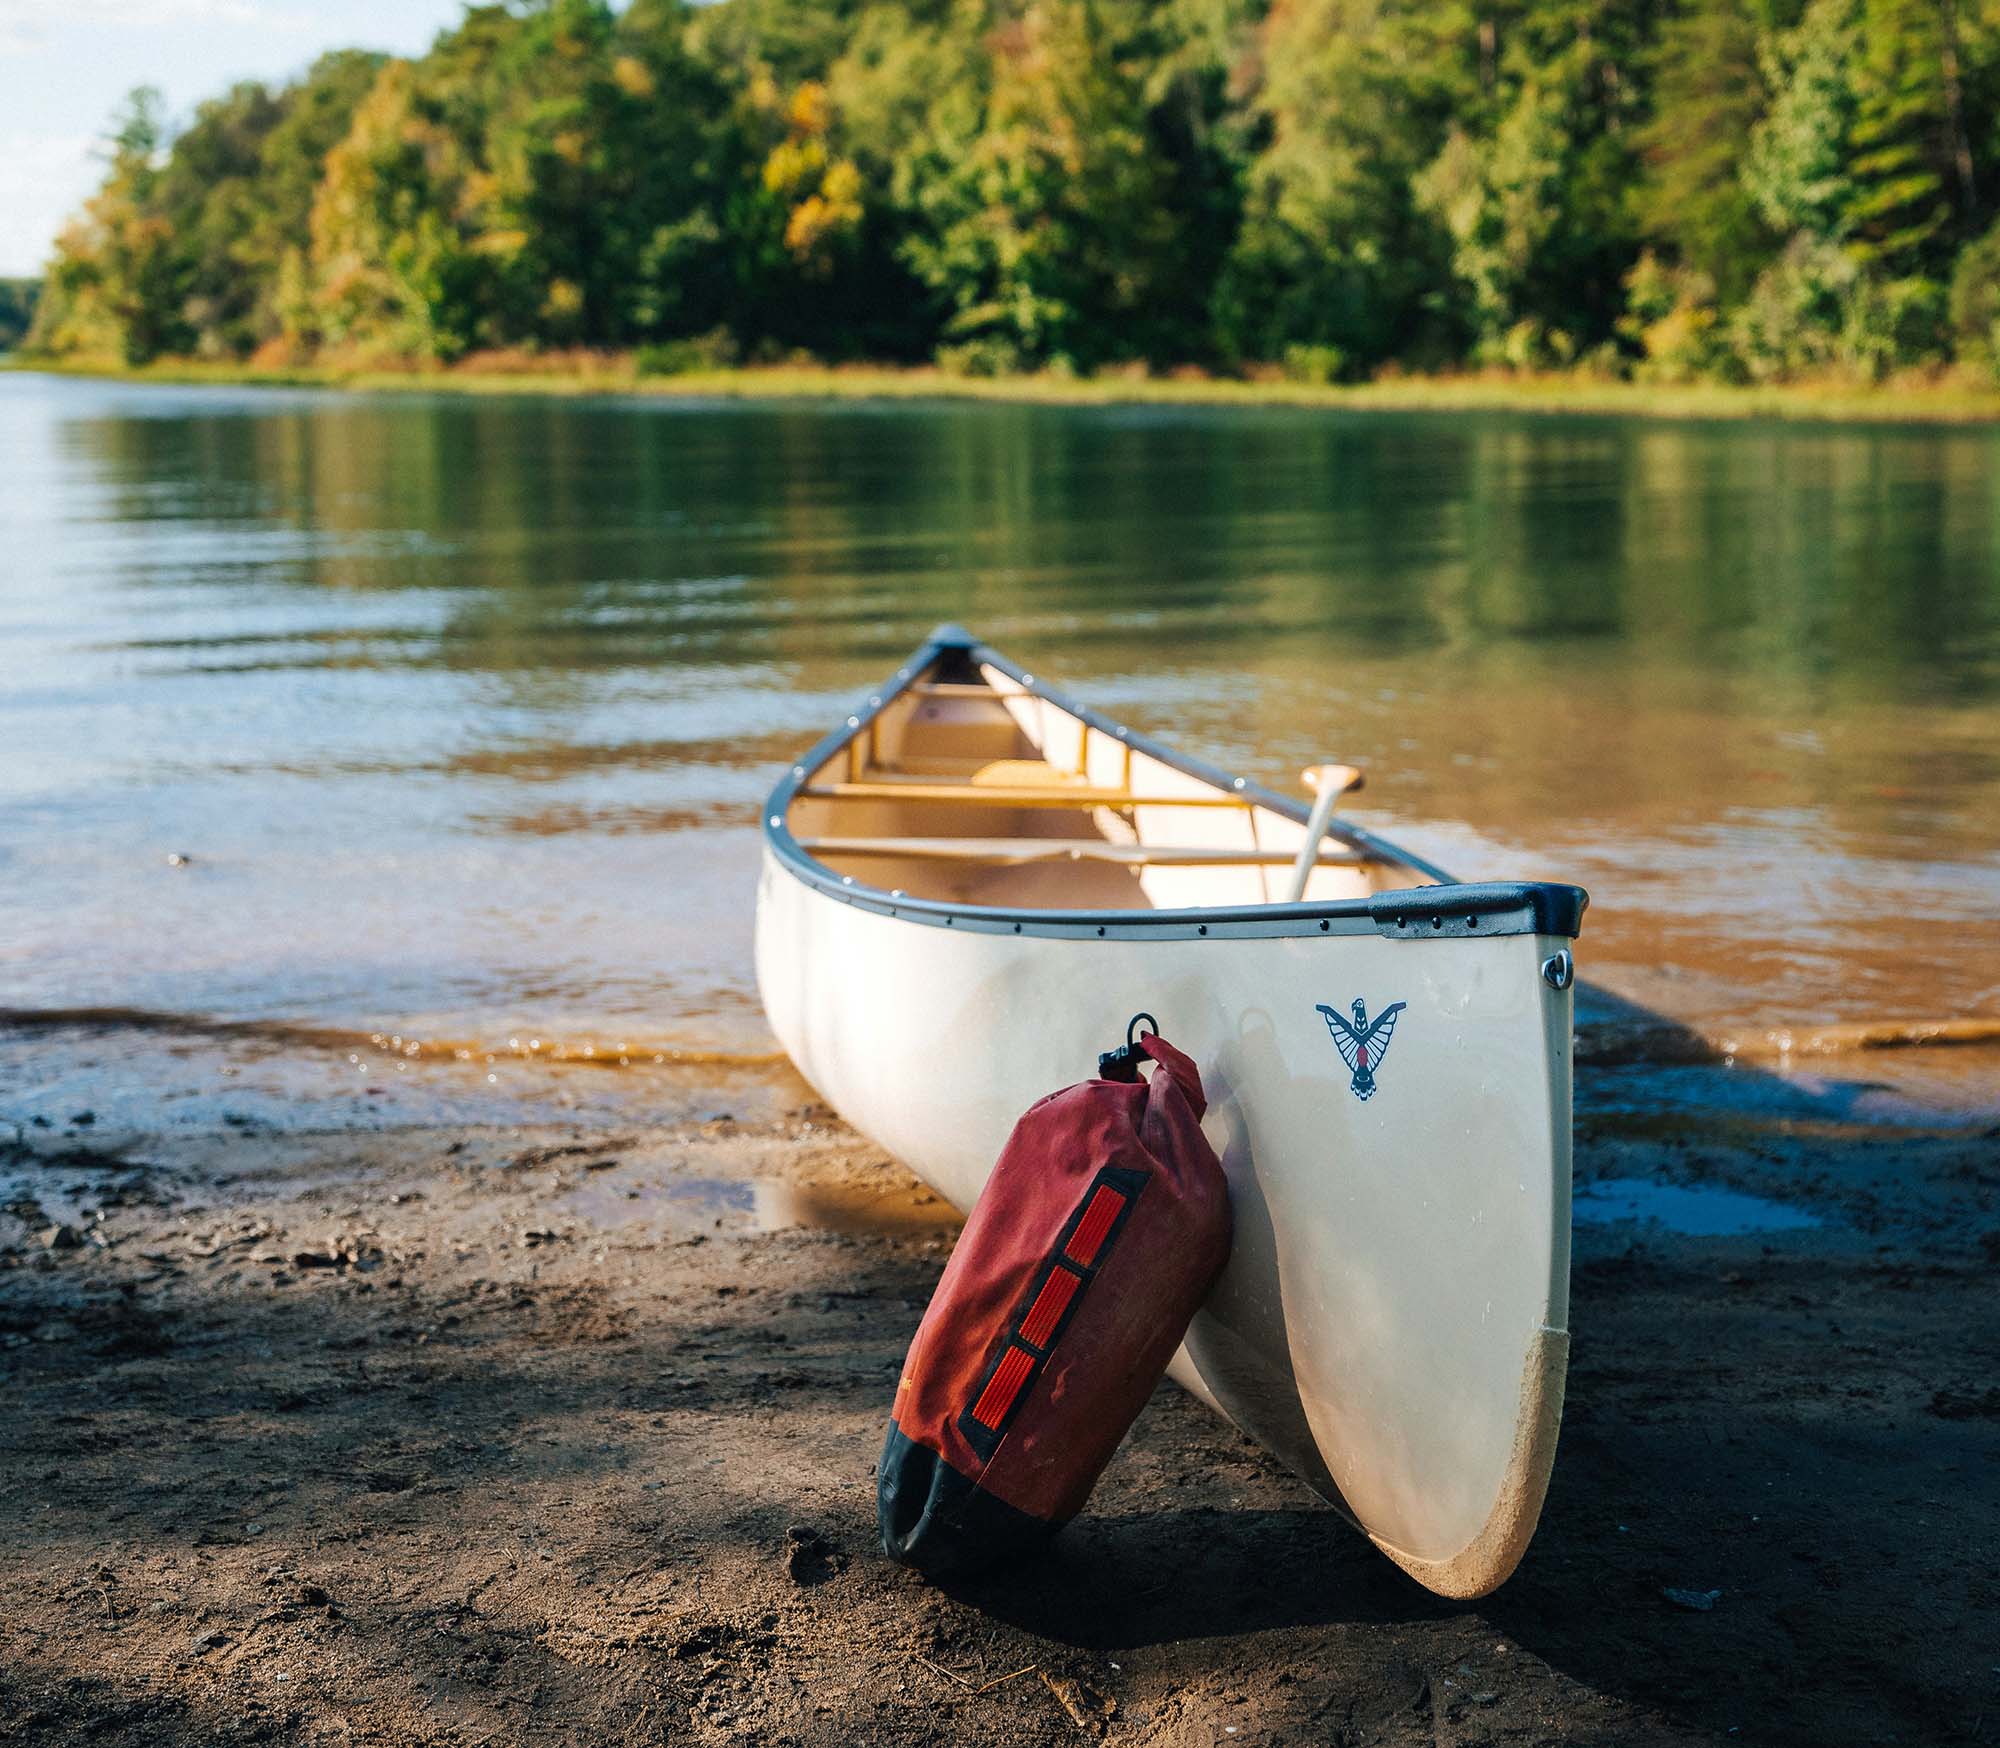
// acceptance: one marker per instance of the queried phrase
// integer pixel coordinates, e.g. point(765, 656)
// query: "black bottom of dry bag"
point(936, 1520)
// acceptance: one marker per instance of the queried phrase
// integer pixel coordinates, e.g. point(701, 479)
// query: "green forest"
point(1736, 190)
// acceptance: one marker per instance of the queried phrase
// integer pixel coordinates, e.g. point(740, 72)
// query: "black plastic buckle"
point(1123, 1063)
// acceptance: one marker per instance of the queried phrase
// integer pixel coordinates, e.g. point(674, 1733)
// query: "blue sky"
point(65, 64)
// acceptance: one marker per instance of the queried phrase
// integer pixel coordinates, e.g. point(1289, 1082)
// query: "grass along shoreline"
point(1900, 400)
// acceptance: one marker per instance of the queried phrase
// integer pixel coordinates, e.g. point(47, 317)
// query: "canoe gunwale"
point(1449, 909)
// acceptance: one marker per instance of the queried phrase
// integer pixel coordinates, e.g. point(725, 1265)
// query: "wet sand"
point(479, 1433)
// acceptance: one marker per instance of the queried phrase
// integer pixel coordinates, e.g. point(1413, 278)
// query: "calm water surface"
point(461, 709)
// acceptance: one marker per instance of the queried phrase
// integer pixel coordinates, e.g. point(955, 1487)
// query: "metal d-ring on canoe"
point(972, 880)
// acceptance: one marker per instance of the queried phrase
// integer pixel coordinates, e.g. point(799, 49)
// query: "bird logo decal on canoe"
point(1362, 1042)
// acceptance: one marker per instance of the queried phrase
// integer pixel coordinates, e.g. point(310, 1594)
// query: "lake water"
point(460, 710)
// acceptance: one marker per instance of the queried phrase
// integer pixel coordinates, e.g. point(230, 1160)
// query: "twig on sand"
point(953, 1674)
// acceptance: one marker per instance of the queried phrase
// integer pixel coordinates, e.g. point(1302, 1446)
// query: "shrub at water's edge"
point(1957, 396)
point(1313, 191)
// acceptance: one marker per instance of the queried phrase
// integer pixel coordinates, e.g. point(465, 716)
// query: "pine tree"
point(114, 284)
point(1707, 94)
point(1912, 192)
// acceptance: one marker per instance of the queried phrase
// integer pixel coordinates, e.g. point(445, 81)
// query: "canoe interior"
point(968, 788)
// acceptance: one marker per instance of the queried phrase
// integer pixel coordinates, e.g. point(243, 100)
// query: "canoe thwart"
point(1066, 849)
point(1001, 795)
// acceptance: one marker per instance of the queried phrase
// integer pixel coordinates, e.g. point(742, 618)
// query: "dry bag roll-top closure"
point(1100, 1231)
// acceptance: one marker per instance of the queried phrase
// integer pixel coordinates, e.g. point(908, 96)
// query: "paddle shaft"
point(1329, 783)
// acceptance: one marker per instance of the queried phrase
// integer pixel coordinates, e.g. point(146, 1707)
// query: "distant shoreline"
point(1897, 401)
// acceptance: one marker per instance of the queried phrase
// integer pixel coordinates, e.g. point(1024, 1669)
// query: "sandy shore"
point(484, 1435)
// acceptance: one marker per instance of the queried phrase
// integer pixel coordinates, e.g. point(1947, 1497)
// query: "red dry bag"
point(1095, 1240)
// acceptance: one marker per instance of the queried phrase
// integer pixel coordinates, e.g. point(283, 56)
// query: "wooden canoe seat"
point(1015, 850)
point(1022, 783)
point(978, 793)
point(1022, 774)
point(974, 691)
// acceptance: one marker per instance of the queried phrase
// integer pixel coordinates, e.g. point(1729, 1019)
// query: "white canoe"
point(971, 886)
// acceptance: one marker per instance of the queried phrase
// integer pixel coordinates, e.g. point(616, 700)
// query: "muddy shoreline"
point(478, 1433)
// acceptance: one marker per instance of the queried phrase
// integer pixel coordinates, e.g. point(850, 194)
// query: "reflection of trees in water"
point(1839, 555)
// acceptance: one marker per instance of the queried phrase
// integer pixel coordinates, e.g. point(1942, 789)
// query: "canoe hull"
point(1393, 1320)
